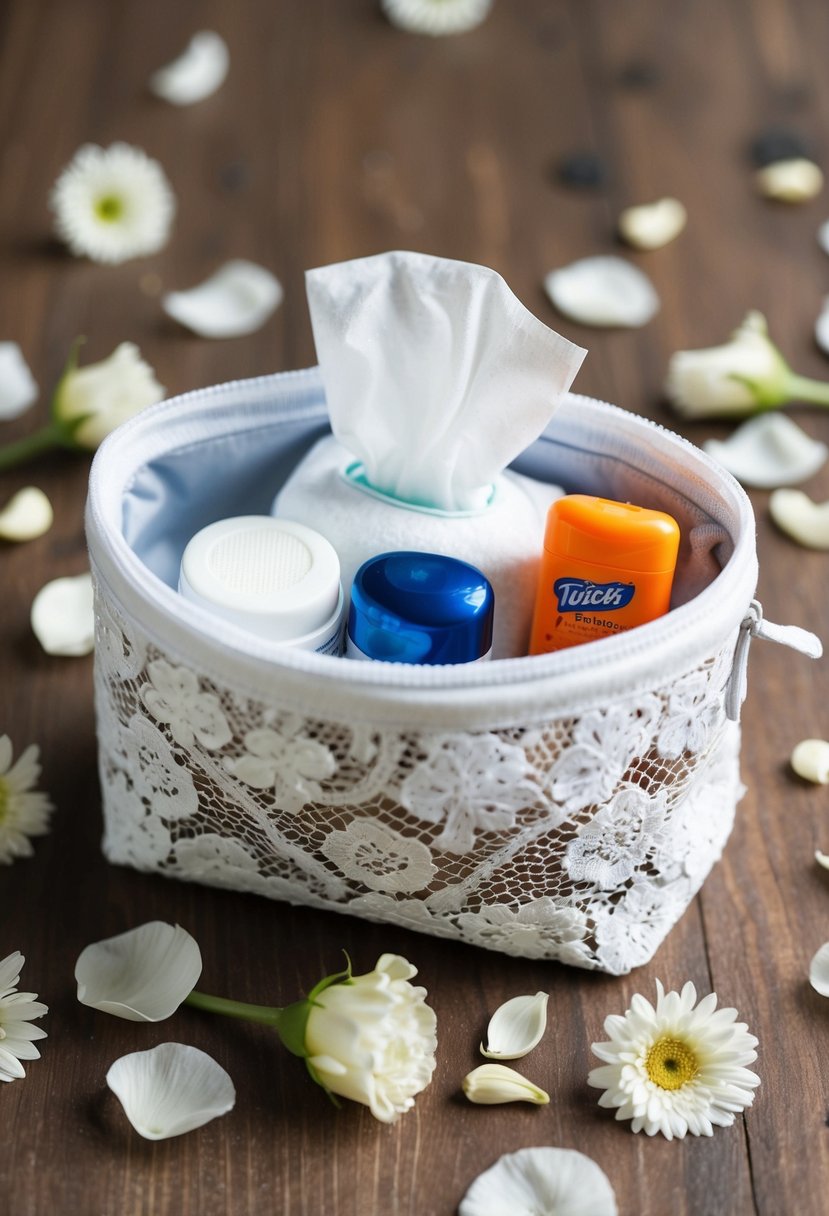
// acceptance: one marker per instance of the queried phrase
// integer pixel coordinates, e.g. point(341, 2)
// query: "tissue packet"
point(436, 378)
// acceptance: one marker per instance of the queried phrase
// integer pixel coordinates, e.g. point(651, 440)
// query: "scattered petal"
point(516, 1027)
point(790, 181)
point(24, 811)
point(654, 224)
point(494, 1084)
point(25, 516)
point(549, 1180)
point(603, 291)
point(63, 619)
point(810, 760)
point(822, 327)
point(237, 299)
point(17, 384)
point(197, 73)
point(798, 516)
point(823, 236)
point(170, 1090)
point(142, 975)
point(436, 17)
point(819, 970)
point(769, 451)
point(822, 859)
point(112, 204)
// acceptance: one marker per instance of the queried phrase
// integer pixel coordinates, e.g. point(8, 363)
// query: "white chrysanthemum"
point(24, 812)
point(17, 1035)
point(113, 203)
point(676, 1068)
point(436, 17)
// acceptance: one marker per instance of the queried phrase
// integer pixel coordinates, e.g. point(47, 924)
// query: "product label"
point(581, 594)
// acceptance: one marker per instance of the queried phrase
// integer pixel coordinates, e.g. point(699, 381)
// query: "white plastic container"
point(565, 806)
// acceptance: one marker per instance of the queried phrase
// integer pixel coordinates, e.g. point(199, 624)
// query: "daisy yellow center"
point(670, 1063)
point(109, 208)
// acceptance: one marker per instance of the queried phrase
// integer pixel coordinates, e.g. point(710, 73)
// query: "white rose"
point(104, 395)
point(372, 1038)
point(746, 374)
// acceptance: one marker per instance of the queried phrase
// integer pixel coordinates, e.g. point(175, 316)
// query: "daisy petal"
point(170, 1089)
point(799, 517)
point(62, 616)
point(819, 970)
point(810, 760)
point(436, 17)
point(556, 1180)
point(142, 975)
point(236, 300)
point(197, 73)
point(17, 385)
point(516, 1027)
point(494, 1084)
point(26, 515)
point(603, 291)
point(769, 451)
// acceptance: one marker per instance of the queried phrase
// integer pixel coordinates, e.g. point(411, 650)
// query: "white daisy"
point(436, 16)
point(23, 811)
point(113, 203)
point(676, 1068)
point(17, 1035)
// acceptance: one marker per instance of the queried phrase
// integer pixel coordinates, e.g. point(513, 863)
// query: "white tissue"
point(437, 377)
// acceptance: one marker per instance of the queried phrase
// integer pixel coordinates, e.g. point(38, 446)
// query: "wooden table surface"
point(336, 136)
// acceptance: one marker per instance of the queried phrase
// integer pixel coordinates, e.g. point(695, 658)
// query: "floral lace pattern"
point(581, 839)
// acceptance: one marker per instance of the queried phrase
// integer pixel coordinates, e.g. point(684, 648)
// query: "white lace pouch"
point(565, 806)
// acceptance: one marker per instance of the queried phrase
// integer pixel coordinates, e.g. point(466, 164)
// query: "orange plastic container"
point(607, 566)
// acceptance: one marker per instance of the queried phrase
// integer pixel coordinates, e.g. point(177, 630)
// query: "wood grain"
point(335, 136)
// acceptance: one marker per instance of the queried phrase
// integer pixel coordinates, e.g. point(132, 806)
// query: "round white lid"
point(276, 578)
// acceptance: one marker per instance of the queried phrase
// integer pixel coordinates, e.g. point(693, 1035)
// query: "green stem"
point(802, 388)
point(49, 436)
point(268, 1015)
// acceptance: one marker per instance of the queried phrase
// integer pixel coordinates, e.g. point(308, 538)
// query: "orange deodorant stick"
point(607, 566)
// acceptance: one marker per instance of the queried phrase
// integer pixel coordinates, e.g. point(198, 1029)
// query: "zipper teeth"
point(519, 670)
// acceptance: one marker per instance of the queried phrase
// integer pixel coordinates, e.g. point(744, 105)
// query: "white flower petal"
point(769, 451)
point(62, 616)
point(653, 225)
point(798, 516)
point(819, 970)
point(516, 1027)
point(199, 71)
point(823, 236)
point(142, 975)
point(603, 291)
point(536, 1180)
point(236, 300)
point(436, 17)
point(822, 327)
point(17, 385)
point(790, 181)
point(810, 760)
point(494, 1084)
point(25, 516)
point(822, 859)
point(170, 1089)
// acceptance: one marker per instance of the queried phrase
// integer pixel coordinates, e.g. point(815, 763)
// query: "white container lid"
point(277, 579)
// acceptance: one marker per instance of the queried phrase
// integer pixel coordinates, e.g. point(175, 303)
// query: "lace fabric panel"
point(580, 839)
